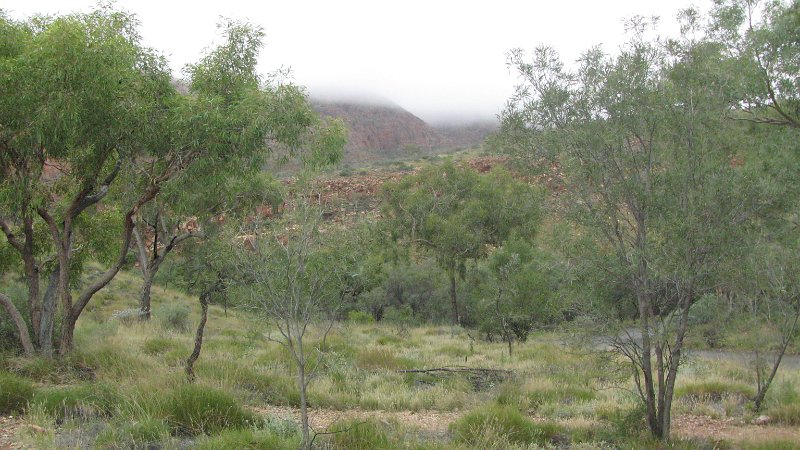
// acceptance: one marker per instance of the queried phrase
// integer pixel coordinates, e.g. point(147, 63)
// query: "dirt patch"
point(9, 425)
point(731, 430)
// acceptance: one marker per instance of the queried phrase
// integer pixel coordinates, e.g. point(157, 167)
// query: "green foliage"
point(457, 214)
point(359, 435)
point(15, 393)
point(506, 422)
point(361, 317)
point(626, 421)
point(192, 409)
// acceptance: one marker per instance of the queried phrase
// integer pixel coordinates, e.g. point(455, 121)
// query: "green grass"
point(192, 409)
point(505, 422)
point(15, 393)
point(78, 402)
point(359, 435)
point(714, 390)
point(124, 386)
point(249, 439)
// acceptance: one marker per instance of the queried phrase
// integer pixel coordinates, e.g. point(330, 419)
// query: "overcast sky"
point(438, 59)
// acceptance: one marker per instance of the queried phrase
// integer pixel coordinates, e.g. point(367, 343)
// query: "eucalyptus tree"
point(457, 215)
point(91, 107)
point(762, 39)
point(650, 163)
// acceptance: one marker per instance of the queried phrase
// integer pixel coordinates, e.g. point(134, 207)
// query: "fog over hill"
point(381, 129)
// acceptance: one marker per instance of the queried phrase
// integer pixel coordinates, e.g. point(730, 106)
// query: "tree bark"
point(301, 384)
point(19, 322)
point(48, 315)
point(198, 338)
point(454, 297)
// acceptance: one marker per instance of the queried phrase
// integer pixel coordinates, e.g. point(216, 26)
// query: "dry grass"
point(358, 370)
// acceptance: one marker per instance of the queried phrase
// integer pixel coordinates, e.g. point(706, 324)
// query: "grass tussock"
point(505, 423)
point(714, 390)
point(15, 393)
point(193, 409)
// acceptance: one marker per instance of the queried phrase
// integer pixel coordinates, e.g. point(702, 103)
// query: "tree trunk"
point(19, 322)
point(144, 298)
point(301, 384)
point(454, 298)
point(67, 333)
point(198, 338)
point(48, 315)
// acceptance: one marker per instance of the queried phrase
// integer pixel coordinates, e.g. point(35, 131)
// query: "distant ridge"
point(387, 131)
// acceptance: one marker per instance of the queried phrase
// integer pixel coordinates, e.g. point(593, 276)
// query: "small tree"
point(457, 215)
point(292, 279)
point(523, 293)
point(650, 174)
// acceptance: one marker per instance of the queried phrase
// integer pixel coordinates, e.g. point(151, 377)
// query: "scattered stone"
point(36, 429)
point(761, 420)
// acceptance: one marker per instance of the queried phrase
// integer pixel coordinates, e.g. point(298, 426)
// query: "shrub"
point(174, 318)
point(362, 317)
point(354, 435)
point(191, 409)
point(506, 422)
point(624, 422)
point(15, 393)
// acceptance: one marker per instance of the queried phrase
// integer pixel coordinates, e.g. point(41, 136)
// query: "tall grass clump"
point(15, 393)
point(141, 432)
point(359, 435)
point(192, 409)
point(81, 402)
point(174, 317)
point(505, 422)
point(248, 439)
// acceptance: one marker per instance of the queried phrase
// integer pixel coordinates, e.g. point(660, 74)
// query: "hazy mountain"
point(385, 131)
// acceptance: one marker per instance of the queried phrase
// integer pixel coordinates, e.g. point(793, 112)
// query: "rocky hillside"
point(379, 132)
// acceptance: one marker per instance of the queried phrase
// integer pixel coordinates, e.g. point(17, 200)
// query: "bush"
point(174, 318)
point(362, 317)
point(15, 393)
point(191, 409)
point(354, 435)
point(506, 422)
point(625, 422)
